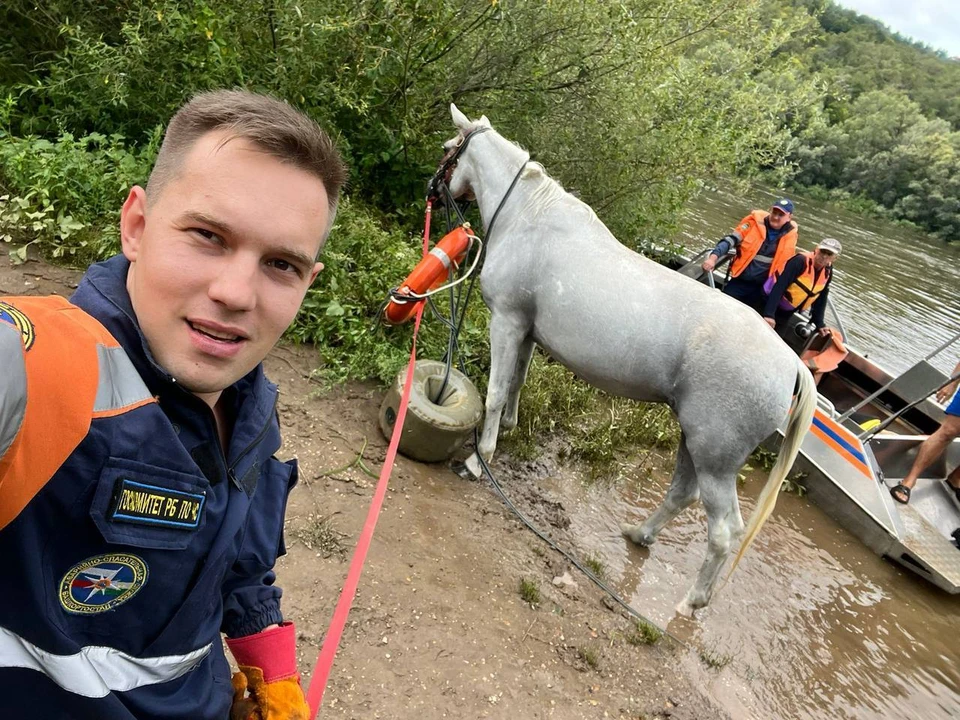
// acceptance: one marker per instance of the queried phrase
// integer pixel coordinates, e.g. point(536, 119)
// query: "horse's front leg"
point(512, 409)
point(507, 334)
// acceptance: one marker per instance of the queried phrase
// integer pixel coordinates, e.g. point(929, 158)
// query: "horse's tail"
point(801, 415)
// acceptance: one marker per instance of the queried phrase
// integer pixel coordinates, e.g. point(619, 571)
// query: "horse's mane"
point(550, 192)
point(546, 194)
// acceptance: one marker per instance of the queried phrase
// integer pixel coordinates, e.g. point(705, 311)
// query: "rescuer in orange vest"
point(764, 242)
point(141, 502)
point(803, 285)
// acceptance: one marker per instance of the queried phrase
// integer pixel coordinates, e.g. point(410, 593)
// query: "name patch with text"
point(137, 502)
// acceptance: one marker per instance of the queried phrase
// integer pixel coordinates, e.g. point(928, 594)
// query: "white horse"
point(554, 275)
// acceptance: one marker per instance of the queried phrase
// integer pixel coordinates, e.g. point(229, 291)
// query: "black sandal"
point(900, 491)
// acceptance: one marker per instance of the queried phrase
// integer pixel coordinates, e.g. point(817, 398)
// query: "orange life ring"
point(429, 273)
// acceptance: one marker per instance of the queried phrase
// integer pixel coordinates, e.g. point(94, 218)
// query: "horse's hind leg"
point(510, 411)
point(724, 528)
point(682, 493)
point(507, 333)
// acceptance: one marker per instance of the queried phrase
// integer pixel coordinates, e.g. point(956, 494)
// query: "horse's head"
point(456, 168)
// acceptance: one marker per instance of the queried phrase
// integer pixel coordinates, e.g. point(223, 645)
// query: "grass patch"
point(589, 655)
point(764, 458)
point(320, 536)
point(715, 660)
point(599, 427)
point(595, 565)
point(529, 592)
point(792, 484)
point(644, 633)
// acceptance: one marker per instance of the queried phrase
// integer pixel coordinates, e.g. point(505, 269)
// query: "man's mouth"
point(222, 335)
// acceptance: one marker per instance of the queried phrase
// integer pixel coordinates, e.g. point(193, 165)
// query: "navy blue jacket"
point(148, 507)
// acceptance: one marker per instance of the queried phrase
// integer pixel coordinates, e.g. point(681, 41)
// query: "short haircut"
point(268, 123)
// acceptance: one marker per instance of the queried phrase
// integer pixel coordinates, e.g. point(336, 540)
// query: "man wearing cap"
point(764, 242)
point(803, 285)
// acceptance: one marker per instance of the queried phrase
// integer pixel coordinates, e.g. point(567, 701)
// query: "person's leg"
point(953, 410)
point(930, 450)
point(748, 293)
point(781, 317)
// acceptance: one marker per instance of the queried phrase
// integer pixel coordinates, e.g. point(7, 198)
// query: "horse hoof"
point(460, 468)
point(691, 603)
point(634, 535)
point(472, 467)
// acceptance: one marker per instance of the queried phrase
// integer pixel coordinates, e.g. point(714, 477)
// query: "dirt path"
point(439, 628)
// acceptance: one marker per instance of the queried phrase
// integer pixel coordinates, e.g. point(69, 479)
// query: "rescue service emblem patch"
point(13, 316)
point(102, 583)
point(137, 502)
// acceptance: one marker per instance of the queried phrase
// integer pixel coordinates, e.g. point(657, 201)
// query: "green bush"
point(362, 262)
point(65, 195)
point(630, 104)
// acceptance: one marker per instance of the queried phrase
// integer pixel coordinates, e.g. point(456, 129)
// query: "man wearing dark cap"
point(764, 242)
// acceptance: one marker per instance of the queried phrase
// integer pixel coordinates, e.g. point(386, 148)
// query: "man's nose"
point(235, 284)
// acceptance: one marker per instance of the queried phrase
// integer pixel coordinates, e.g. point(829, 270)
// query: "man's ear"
point(133, 221)
point(316, 271)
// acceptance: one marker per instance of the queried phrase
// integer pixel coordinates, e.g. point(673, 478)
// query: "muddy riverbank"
point(812, 625)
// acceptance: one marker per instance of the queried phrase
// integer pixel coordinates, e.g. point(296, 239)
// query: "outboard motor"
point(804, 330)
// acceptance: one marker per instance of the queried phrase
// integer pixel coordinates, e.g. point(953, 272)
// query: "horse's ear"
point(483, 121)
point(459, 119)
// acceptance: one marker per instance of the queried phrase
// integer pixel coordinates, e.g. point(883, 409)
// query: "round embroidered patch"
point(102, 583)
point(13, 316)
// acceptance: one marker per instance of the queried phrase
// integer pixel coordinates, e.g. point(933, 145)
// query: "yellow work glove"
point(267, 686)
point(277, 700)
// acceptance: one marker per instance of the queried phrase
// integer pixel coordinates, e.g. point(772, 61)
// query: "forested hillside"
point(886, 133)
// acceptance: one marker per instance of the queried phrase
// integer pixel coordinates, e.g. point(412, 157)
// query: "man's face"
point(823, 258)
point(778, 218)
point(222, 259)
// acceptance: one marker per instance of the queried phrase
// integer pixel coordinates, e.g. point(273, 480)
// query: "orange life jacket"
point(752, 232)
point(803, 292)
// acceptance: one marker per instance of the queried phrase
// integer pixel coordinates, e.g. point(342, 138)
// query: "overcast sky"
point(934, 22)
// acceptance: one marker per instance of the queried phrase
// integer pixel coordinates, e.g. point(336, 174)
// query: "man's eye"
point(284, 266)
point(207, 234)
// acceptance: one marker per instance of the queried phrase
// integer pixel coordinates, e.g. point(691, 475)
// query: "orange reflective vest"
point(803, 292)
point(50, 427)
point(752, 232)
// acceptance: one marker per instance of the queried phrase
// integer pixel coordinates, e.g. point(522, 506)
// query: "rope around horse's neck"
point(456, 324)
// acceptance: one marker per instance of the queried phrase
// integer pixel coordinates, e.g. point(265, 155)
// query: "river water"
point(812, 624)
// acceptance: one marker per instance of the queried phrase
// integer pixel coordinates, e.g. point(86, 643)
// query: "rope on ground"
point(356, 462)
point(576, 563)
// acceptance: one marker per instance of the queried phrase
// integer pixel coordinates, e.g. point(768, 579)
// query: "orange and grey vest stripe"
point(751, 232)
point(40, 339)
point(803, 292)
